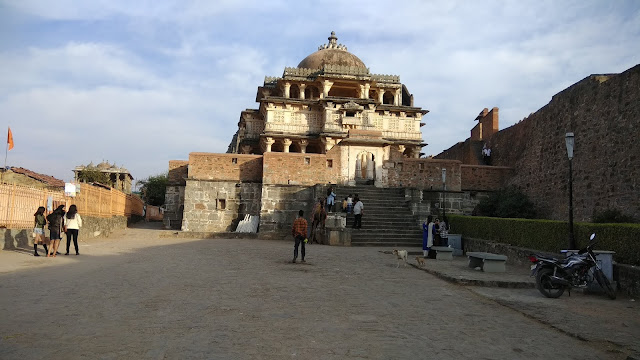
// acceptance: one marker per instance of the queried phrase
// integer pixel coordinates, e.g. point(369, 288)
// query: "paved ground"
point(136, 295)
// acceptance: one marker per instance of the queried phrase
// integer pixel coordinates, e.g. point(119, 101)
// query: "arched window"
point(294, 92)
point(387, 98)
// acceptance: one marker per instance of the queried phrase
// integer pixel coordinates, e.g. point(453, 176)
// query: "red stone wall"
point(422, 173)
point(177, 171)
point(297, 169)
point(210, 166)
point(603, 111)
point(484, 178)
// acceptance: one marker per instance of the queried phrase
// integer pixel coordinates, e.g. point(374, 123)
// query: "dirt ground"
point(136, 295)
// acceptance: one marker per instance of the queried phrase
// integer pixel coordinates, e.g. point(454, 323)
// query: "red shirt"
point(299, 227)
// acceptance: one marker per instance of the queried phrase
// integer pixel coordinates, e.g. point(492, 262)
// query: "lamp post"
point(444, 189)
point(570, 142)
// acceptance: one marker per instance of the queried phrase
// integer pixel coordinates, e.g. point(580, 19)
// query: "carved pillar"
point(370, 166)
point(268, 141)
point(326, 86)
point(362, 92)
point(416, 152)
point(303, 145)
point(287, 89)
point(287, 143)
point(367, 87)
point(302, 87)
point(246, 149)
point(380, 95)
point(396, 97)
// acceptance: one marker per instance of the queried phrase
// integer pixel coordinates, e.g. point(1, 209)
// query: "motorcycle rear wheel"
point(604, 283)
point(545, 286)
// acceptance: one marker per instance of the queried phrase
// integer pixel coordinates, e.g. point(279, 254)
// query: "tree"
point(93, 175)
point(153, 189)
point(509, 202)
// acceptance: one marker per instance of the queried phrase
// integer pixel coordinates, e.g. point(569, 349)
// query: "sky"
point(139, 83)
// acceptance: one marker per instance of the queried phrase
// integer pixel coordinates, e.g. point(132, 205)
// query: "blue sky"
point(140, 83)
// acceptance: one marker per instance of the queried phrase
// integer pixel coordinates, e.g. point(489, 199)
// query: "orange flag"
point(10, 139)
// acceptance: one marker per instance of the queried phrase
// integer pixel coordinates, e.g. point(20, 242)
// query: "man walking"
point(357, 212)
point(299, 232)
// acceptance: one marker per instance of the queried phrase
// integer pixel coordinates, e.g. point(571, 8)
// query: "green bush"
point(612, 216)
point(509, 202)
point(551, 235)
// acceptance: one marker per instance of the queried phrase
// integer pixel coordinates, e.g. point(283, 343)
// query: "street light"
point(444, 188)
point(570, 141)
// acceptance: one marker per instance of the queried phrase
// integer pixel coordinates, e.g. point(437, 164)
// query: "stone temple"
point(327, 122)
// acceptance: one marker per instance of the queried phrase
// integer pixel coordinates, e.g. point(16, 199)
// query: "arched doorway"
point(365, 166)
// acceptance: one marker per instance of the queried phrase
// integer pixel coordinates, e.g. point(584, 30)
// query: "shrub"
point(551, 235)
point(612, 216)
point(509, 202)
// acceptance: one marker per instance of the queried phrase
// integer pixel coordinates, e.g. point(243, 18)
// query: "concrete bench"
point(443, 252)
point(488, 262)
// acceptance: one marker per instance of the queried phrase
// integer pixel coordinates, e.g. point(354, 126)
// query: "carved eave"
point(365, 141)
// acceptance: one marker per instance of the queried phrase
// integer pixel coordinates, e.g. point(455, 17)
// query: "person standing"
point(349, 204)
point(358, 210)
point(299, 232)
point(38, 228)
point(444, 231)
point(55, 224)
point(428, 232)
point(318, 217)
point(331, 199)
point(72, 225)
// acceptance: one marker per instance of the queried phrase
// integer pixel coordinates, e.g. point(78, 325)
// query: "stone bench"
point(443, 252)
point(488, 262)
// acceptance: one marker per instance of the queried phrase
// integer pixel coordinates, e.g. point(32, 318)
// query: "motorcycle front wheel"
point(605, 284)
point(545, 286)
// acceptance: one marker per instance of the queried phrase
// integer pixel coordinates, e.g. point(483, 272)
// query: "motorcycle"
point(554, 276)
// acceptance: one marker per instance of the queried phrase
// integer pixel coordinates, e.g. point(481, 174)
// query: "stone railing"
point(395, 79)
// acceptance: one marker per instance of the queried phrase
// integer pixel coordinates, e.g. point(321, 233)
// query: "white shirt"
point(357, 209)
point(75, 223)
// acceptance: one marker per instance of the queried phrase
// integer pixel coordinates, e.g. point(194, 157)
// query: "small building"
point(119, 177)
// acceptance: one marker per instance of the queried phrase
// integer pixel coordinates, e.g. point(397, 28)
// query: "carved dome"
point(331, 54)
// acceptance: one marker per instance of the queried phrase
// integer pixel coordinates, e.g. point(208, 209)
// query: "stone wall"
point(225, 167)
point(280, 206)
point(603, 111)
point(92, 227)
point(178, 171)
point(174, 204)
point(468, 152)
point(218, 206)
point(484, 178)
point(422, 173)
point(297, 169)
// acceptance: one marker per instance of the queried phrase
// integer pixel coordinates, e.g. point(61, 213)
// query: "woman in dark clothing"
point(38, 228)
point(55, 224)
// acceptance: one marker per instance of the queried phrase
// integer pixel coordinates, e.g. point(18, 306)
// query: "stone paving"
point(137, 295)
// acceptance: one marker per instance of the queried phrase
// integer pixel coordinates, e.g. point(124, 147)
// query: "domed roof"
point(331, 54)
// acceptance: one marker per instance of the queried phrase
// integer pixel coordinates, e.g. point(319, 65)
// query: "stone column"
point(326, 86)
point(381, 95)
point(396, 97)
point(416, 152)
point(367, 87)
point(302, 87)
point(362, 92)
point(268, 142)
point(370, 166)
point(287, 89)
point(287, 143)
point(303, 145)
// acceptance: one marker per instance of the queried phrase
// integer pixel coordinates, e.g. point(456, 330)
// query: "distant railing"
point(18, 203)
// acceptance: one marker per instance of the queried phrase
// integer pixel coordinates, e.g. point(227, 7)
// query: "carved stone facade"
point(331, 99)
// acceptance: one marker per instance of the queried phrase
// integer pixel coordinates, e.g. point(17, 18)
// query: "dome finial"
point(333, 39)
point(333, 43)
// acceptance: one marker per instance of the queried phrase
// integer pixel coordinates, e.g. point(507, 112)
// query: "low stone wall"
point(92, 227)
point(627, 276)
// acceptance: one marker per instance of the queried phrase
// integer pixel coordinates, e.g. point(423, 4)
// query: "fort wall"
point(225, 167)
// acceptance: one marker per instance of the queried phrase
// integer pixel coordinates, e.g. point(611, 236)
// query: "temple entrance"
point(365, 168)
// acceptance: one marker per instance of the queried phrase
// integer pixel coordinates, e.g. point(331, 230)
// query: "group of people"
point(58, 222)
point(434, 233)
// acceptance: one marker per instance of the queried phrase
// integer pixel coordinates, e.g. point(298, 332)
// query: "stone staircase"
point(387, 221)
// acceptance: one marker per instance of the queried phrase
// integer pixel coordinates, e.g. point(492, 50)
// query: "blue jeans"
point(299, 240)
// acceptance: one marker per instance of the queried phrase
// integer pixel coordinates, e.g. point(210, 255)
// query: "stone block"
point(338, 237)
